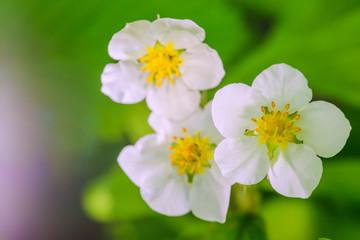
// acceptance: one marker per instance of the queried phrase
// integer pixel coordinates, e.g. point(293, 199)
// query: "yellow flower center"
point(191, 154)
point(276, 128)
point(162, 62)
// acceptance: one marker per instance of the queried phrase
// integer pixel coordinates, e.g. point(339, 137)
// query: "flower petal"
point(324, 128)
point(175, 101)
point(171, 199)
point(145, 162)
point(182, 33)
point(124, 82)
point(132, 41)
point(232, 110)
point(209, 198)
point(201, 68)
point(204, 123)
point(242, 160)
point(283, 85)
point(200, 120)
point(296, 172)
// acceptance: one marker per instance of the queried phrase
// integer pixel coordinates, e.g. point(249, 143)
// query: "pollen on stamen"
point(273, 104)
point(158, 83)
point(171, 148)
point(191, 154)
point(263, 109)
point(276, 128)
point(162, 62)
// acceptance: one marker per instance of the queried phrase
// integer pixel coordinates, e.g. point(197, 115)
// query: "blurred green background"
point(60, 178)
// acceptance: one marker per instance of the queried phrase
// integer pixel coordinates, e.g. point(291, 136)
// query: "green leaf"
point(327, 53)
point(339, 181)
point(239, 227)
point(114, 197)
point(288, 218)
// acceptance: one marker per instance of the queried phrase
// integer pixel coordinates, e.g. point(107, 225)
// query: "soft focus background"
point(60, 137)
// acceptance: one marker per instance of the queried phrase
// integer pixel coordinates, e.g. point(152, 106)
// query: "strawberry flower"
point(272, 128)
point(163, 61)
point(175, 169)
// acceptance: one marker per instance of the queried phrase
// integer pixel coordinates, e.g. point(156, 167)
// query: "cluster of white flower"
point(246, 133)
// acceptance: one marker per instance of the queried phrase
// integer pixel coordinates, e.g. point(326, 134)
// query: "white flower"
point(271, 129)
point(175, 170)
point(164, 61)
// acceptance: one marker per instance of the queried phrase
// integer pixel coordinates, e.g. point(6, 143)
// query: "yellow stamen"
point(162, 62)
point(273, 105)
point(159, 83)
point(276, 128)
point(191, 154)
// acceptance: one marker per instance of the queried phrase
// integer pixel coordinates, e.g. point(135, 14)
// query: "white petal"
point(162, 125)
point(201, 68)
point(296, 172)
point(171, 199)
point(283, 85)
point(218, 176)
point(145, 162)
point(324, 128)
point(209, 198)
point(203, 122)
point(132, 41)
point(242, 160)
point(233, 108)
point(200, 120)
point(175, 101)
point(182, 33)
point(124, 82)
